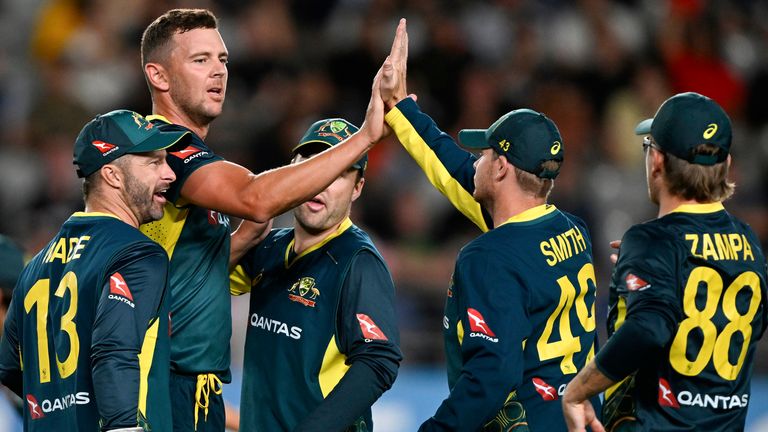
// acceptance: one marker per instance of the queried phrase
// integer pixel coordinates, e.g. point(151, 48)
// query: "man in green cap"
point(519, 315)
point(322, 342)
point(688, 293)
point(89, 314)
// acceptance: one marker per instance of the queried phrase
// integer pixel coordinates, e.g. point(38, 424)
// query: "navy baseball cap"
point(12, 259)
point(527, 138)
point(114, 134)
point(327, 133)
point(687, 120)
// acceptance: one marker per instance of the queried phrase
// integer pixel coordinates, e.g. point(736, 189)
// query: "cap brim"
point(473, 139)
point(305, 143)
point(159, 141)
point(644, 127)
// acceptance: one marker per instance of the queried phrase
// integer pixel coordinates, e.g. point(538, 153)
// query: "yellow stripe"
point(167, 230)
point(700, 208)
point(93, 214)
point(460, 332)
point(145, 364)
point(158, 117)
point(345, 224)
point(531, 214)
point(621, 313)
point(612, 389)
point(239, 282)
point(436, 173)
point(332, 369)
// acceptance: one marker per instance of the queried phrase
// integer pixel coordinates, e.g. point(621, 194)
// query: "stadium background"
point(594, 66)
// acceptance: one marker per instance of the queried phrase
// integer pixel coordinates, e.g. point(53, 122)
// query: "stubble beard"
point(141, 200)
point(195, 111)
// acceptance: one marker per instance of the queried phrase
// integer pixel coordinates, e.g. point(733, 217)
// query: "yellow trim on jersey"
point(158, 117)
point(145, 364)
point(167, 230)
point(621, 313)
point(436, 173)
point(333, 369)
point(239, 281)
point(93, 214)
point(532, 213)
point(345, 224)
point(699, 208)
point(612, 389)
point(460, 332)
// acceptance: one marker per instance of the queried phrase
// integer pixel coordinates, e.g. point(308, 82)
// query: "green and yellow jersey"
point(519, 317)
point(322, 339)
point(88, 326)
point(688, 305)
point(197, 242)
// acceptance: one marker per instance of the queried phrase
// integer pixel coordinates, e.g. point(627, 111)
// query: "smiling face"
point(197, 71)
point(147, 178)
point(331, 206)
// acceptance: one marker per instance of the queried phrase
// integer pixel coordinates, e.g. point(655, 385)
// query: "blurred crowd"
point(596, 67)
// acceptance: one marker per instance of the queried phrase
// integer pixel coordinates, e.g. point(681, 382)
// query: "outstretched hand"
point(374, 126)
point(394, 71)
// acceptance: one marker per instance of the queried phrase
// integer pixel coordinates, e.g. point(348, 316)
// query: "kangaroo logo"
point(302, 287)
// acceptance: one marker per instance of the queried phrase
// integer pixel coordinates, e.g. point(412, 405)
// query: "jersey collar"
point(93, 214)
point(157, 117)
point(699, 208)
point(345, 224)
point(531, 214)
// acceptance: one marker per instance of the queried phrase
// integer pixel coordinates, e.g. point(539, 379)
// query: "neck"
point(667, 202)
point(511, 204)
point(177, 116)
point(114, 206)
point(303, 239)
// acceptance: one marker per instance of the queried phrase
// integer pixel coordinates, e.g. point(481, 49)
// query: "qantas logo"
point(104, 147)
point(118, 290)
point(217, 218)
point(38, 411)
point(547, 392)
point(34, 408)
point(369, 328)
point(189, 153)
point(479, 327)
point(634, 283)
point(666, 397)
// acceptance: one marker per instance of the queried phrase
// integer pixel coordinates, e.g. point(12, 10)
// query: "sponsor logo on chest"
point(274, 326)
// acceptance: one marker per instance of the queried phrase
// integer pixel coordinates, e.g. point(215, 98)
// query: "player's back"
point(56, 300)
point(717, 295)
point(549, 258)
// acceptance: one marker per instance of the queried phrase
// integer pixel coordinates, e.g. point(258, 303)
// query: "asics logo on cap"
point(710, 131)
point(556, 146)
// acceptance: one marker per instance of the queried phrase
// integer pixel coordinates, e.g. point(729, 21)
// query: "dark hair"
point(154, 41)
point(703, 183)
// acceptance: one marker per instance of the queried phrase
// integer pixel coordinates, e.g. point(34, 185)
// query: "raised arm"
point(236, 191)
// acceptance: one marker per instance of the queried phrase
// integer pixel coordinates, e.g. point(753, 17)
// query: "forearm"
point(587, 383)
point(355, 393)
point(116, 386)
point(276, 191)
point(248, 235)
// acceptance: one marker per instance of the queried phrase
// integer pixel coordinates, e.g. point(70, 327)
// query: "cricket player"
point(322, 343)
point(185, 65)
point(519, 316)
point(688, 293)
point(88, 322)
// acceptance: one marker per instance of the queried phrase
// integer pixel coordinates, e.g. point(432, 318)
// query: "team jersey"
point(689, 290)
point(519, 317)
point(88, 326)
point(314, 318)
point(197, 242)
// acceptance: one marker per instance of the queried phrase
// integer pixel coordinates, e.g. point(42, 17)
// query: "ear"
point(502, 168)
point(728, 161)
point(157, 76)
point(112, 176)
point(358, 189)
point(657, 162)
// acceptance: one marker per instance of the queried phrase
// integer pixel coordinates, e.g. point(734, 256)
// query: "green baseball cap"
point(527, 138)
point(687, 120)
point(11, 263)
point(327, 133)
point(114, 134)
